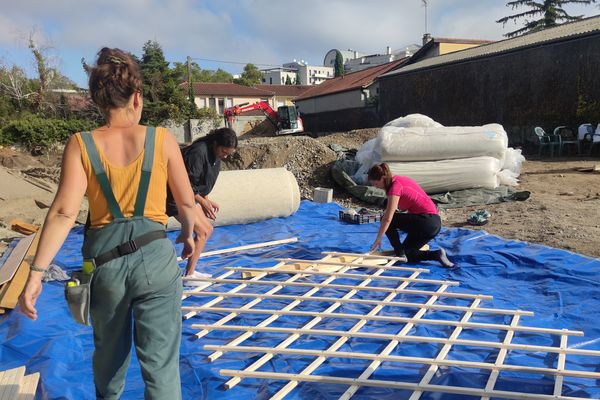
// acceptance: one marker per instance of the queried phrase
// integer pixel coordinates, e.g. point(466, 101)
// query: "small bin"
point(360, 217)
point(323, 195)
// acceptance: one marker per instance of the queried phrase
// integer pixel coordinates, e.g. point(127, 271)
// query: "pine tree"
point(339, 64)
point(550, 12)
point(288, 80)
point(164, 99)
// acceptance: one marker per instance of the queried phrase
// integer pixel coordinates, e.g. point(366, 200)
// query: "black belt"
point(129, 247)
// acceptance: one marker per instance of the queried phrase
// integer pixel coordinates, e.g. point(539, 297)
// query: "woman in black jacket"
point(202, 160)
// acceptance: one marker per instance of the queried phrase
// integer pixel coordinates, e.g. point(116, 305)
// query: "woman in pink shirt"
point(419, 220)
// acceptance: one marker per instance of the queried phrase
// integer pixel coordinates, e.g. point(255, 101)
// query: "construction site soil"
point(563, 210)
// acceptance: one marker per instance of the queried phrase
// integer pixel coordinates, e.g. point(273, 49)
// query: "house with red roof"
point(346, 102)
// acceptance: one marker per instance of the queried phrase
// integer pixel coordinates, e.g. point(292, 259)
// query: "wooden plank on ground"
point(29, 386)
point(10, 380)
point(23, 227)
point(8, 269)
point(16, 285)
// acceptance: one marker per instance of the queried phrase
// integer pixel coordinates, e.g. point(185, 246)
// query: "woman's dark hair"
point(114, 78)
point(381, 171)
point(225, 137)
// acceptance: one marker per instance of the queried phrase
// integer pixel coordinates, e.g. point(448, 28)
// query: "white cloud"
point(259, 31)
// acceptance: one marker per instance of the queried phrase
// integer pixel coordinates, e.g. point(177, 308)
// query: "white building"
point(357, 61)
point(308, 74)
point(278, 76)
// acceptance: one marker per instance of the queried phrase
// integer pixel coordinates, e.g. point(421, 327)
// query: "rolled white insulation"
point(441, 143)
point(449, 175)
point(253, 195)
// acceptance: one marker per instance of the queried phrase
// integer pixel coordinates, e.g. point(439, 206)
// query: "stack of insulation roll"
point(442, 159)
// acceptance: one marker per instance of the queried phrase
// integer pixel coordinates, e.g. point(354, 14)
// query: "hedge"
point(35, 131)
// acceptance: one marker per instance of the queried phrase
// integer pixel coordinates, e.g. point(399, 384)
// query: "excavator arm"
point(263, 106)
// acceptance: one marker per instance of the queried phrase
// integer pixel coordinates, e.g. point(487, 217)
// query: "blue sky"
point(263, 32)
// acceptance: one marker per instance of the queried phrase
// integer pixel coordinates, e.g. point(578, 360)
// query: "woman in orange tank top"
point(141, 287)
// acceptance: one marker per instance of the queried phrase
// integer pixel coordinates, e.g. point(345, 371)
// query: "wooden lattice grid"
point(342, 266)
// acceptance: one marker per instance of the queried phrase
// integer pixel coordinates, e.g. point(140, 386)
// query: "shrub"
point(33, 132)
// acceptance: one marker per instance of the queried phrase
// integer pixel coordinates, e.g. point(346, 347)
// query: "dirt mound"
point(308, 159)
point(15, 159)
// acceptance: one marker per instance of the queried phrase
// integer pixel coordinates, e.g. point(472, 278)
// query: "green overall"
point(134, 296)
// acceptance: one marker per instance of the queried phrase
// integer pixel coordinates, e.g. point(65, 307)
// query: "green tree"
point(549, 13)
point(250, 77)
point(164, 97)
point(297, 81)
point(288, 80)
point(339, 64)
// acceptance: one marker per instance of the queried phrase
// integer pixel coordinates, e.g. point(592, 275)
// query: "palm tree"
point(550, 12)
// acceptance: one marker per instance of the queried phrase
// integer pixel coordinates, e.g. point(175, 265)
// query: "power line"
point(234, 62)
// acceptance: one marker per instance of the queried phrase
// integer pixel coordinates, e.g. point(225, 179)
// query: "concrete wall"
point(538, 86)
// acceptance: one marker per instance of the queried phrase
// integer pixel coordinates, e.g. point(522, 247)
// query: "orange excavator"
point(285, 120)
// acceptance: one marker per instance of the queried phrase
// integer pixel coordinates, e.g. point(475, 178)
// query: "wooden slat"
point(343, 287)
point(360, 301)
point(491, 383)
point(411, 339)
point(560, 367)
point(343, 275)
point(29, 386)
point(443, 353)
point(10, 266)
point(16, 285)
point(240, 339)
point(393, 385)
point(438, 361)
point(291, 339)
point(478, 325)
point(10, 380)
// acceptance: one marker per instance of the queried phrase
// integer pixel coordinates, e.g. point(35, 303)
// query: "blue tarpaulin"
point(560, 287)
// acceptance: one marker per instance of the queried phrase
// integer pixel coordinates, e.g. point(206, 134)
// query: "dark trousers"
point(419, 229)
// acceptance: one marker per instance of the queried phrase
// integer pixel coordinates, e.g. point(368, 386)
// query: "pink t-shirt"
point(413, 199)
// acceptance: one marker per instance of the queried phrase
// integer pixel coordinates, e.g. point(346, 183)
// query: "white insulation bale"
point(449, 175)
point(252, 195)
point(414, 120)
point(441, 143)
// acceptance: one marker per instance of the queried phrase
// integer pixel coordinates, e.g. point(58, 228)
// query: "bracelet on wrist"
point(35, 268)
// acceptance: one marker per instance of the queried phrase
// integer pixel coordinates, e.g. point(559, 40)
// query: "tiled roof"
point(354, 80)
point(284, 90)
point(565, 31)
point(227, 89)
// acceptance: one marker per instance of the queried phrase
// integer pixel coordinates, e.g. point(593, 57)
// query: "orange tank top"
point(124, 182)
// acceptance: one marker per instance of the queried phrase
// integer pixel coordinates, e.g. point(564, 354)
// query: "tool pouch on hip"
point(78, 294)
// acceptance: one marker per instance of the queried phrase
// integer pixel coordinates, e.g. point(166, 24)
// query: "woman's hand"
point(376, 245)
point(188, 246)
point(208, 208)
point(30, 294)
point(214, 206)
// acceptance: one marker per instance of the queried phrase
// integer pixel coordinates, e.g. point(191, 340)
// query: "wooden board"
point(8, 269)
point(29, 386)
point(10, 380)
point(16, 285)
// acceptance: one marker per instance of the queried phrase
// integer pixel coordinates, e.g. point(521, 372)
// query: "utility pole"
point(191, 98)
point(425, 3)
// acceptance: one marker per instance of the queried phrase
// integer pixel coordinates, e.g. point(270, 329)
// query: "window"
point(212, 103)
point(221, 105)
point(228, 102)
